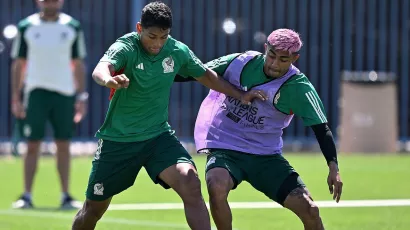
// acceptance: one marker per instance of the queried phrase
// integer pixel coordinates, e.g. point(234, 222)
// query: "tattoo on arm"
point(297, 192)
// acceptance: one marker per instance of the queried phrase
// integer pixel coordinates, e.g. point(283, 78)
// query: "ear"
point(295, 58)
point(138, 27)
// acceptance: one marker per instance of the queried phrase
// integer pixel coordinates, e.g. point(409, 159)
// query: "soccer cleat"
point(23, 203)
point(70, 203)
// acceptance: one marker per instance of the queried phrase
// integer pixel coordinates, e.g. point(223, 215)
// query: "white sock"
point(27, 195)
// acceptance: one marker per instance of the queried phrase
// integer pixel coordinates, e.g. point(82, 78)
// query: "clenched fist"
point(118, 82)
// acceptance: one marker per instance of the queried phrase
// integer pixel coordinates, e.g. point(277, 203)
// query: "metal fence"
point(338, 35)
point(103, 21)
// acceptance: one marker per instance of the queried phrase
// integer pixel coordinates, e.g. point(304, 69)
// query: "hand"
point(248, 97)
point(334, 181)
point(80, 111)
point(118, 82)
point(18, 109)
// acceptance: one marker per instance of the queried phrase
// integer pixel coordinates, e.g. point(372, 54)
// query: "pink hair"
point(285, 40)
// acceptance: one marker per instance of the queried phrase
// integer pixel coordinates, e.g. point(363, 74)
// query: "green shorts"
point(44, 105)
point(266, 173)
point(116, 164)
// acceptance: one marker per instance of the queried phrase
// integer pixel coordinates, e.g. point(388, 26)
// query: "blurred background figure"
point(47, 52)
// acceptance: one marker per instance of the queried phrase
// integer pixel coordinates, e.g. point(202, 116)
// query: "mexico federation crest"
point(98, 189)
point(168, 64)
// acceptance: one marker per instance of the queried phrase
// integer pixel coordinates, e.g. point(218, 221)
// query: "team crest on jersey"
point(168, 65)
point(64, 35)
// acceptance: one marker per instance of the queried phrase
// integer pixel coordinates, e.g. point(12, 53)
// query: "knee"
point(300, 202)
point(190, 186)
point(63, 146)
point(311, 218)
point(33, 147)
point(218, 187)
point(313, 212)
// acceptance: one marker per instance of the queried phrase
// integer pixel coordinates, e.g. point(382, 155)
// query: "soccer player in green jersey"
point(244, 142)
point(140, 68)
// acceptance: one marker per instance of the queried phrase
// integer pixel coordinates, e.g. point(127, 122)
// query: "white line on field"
point(251, 205)
point(170, 206)
point(42, 214)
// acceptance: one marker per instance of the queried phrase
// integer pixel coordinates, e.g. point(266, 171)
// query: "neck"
point(45, 17)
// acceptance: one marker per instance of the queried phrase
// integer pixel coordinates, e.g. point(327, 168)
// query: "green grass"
point(364, 177)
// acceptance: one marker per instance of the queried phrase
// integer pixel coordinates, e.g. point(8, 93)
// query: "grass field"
point(366, 177)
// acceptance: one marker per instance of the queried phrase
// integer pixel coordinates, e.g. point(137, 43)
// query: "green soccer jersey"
point(140, 112)
point(296, 96)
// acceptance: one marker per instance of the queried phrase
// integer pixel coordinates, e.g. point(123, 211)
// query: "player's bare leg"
point(183, 178)
point(30, 164)
point(63, 166)
point(91, 212)
point(63, 163)
point(30, 167)
point(300, 202)
point(219, 183)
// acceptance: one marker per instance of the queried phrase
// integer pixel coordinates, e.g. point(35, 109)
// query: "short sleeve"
point(79, 48)
point(19, 47)
point(117, 55)
point(192, 66)
point(302, 100)
point(219, 65)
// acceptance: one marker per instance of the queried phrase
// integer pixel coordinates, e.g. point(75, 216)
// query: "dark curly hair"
point(156, 14)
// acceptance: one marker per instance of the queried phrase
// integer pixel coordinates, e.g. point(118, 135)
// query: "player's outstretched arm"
point(299, 97)
point(211, 80)
point(102, 74)
point(324, 137)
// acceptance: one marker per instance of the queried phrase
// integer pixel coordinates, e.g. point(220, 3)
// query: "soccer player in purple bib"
point(244, 142)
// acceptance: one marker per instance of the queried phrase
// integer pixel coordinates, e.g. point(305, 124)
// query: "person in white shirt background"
point(48, 55)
